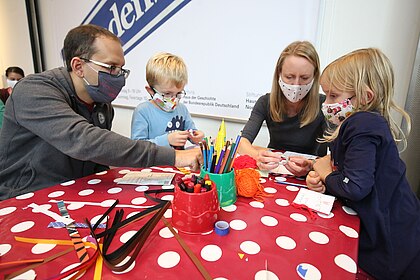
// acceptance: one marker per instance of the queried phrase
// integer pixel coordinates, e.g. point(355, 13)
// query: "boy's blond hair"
point(360, 71)
point(166, 67)
point(311, 105)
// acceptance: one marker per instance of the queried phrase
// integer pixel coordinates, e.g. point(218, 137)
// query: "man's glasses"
point(179, 95)
point(112, 70)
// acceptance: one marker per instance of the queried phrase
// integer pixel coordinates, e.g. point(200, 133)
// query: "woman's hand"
point(298, 166)
point(268, 160)
point(314, 182)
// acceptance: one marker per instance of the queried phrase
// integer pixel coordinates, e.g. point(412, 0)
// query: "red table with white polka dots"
point(267, 240)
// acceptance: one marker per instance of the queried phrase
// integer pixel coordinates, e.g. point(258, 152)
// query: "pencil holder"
point(195, 213)
point(225, 185)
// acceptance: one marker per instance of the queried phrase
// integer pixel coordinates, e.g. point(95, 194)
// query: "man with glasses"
point(163, 120)
point(57, 123)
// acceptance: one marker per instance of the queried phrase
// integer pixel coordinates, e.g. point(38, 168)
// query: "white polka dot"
point(4, 248)
point(23, 226)
point(114, 190)
point(130, 268)
point(138, 200)
point(101, 173)
point(211, 253)
point(349, 211)
point(238, 225)
point(94, 181)
point(319, 237)
point(265, 275)
point(168, 187)
point(279, 179)
point(124, 171)
point(270, 190)
point(56, 194)
point(75, 205)
point(292, 188)
point(141, 188)
point(42, 248)
point(168, 197)
point(308, 271)
point(298, 217)
point(250, 247)
point(230, 208)
point(67, 268)
point(220, 278)
point(329, 216)
point(117, 180)
point(127, 235)
point(25, 196)
point(282, 202)
point(86, 192)
point(256, 204)
point(168, 259)
point(349, 231)
point(168, 214)
point(269, 221)
point(132, 214)
point(108, 202)
point(285, 242)
point(68, 183)
point(146, 170)
point(95, 219)
point(7, 210)
point(166, 233)
point(30, 274)
point(346, 263)
point(262, 180)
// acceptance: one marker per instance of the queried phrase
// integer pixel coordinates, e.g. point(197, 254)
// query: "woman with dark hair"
point(13, 75)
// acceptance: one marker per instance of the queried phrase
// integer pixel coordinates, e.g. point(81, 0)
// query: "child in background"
point(163, 120)
point(366, 171)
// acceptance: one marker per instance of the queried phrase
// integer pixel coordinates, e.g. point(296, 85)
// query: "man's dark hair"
point(79, 42)
point(14, 69)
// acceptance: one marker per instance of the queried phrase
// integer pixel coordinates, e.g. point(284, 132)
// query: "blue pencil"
point(291, 184)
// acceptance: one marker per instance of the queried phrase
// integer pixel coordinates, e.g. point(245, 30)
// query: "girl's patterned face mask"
point(336, 113)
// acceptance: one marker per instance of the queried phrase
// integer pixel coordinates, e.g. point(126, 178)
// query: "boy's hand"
point(178, 138)
point(196, 136)
point(314, 182)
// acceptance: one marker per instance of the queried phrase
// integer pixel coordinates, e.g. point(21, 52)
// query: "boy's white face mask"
point(294, 93)
point(167, 104)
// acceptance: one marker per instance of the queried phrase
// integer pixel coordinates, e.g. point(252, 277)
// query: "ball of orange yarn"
point(248, 183)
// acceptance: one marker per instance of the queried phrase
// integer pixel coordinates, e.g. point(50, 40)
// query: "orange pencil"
point(225, 158)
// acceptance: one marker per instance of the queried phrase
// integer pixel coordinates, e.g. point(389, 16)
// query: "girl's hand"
point(314, 182)
point(323, 166)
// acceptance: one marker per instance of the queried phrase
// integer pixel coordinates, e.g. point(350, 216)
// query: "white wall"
point(393, 26)
point(15, 47)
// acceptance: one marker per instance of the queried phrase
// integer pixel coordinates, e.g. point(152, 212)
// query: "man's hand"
point(178, 138)
point(189, 158)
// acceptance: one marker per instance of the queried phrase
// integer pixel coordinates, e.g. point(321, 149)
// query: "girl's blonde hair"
point(166, 67)
point(310, 109)
point(360, 71)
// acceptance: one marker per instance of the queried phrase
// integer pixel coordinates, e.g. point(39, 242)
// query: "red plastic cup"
point(195, 213)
